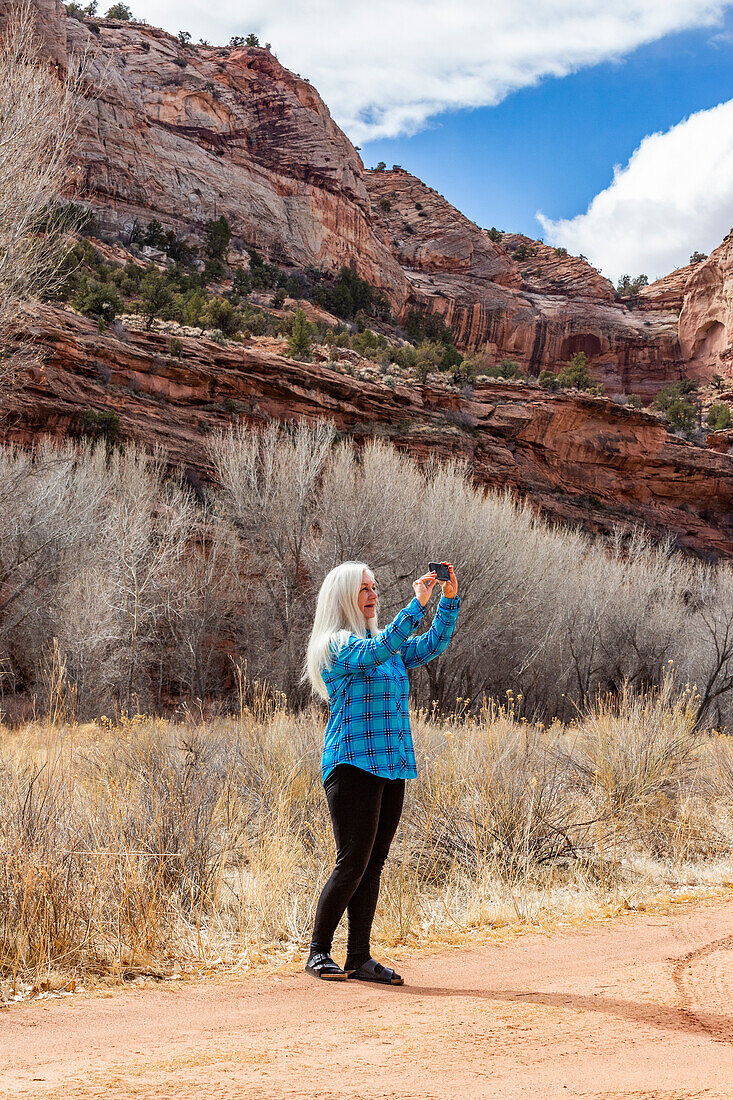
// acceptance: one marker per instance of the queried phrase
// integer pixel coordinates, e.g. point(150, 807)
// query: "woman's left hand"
point(450, 588)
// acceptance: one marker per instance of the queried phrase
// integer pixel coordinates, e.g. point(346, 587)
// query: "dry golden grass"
point(145, 846)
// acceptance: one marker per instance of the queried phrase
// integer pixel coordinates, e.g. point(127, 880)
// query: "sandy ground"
point(640, 1007)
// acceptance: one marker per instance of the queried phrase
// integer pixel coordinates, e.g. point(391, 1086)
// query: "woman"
point(368, 751)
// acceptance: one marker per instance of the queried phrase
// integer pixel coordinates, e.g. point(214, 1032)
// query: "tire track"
point(701, 978)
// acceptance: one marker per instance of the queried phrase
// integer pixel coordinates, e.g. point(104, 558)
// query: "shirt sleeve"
point(418, 651)
point(359, 654)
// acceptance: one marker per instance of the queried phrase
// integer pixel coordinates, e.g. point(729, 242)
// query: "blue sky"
point(552, 147)
point(604, 128)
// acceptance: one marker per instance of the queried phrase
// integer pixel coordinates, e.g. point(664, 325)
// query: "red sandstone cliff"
point(185, 134)
point(539, 309)
point(580, 459)
point(706, 319)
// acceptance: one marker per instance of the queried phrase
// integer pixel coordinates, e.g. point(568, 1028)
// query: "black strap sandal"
point(321, 965)
point(372, 971)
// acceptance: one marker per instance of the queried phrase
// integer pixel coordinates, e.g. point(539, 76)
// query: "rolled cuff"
point(450, 603)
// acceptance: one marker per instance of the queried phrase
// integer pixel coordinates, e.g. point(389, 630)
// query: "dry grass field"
point(144, 845)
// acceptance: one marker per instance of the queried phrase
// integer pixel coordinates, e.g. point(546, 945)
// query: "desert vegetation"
point(143, 589)
point(160, 798)
point(137, 846)
point(40, 111)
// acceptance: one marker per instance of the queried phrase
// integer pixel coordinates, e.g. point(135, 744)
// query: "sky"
point(603, 128)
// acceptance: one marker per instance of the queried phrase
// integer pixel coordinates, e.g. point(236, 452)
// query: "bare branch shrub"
point(149, 843)
point(40, 110)
point(270, 490)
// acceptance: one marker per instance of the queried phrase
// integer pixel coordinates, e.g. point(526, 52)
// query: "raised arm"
point(418, 651)
point(360, 654)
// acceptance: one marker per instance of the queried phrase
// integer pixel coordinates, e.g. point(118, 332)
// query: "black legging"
point(365, 812)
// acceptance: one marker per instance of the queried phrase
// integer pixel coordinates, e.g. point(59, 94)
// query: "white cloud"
point(385, 67)
point(673, 198)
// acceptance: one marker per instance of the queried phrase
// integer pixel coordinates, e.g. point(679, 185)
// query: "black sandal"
point(372, 971)
point(321, 965)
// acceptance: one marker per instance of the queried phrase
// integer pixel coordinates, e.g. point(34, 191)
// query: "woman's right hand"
point(423, 586)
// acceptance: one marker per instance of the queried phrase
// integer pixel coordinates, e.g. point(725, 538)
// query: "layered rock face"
point(519, 298)
point(580, 459)
point(184, 134)
point(706, 319)
point(189, 134)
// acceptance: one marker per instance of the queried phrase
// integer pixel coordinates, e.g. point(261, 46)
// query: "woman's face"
point(368, 596)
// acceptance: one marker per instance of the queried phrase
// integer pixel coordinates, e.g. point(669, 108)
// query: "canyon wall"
point(520, 298)
point(578, 458)
point(186, 134)
point(706, 319)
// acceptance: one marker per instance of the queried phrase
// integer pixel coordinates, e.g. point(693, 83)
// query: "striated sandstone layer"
point(539, 310)
point(667, 293)
point(578, 458)
point(706, 320)
point(186, 134)
point(547, 270)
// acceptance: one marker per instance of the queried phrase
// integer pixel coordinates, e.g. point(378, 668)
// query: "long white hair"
point(337, 616)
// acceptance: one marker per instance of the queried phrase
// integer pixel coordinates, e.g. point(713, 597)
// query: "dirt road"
point(639, 1008)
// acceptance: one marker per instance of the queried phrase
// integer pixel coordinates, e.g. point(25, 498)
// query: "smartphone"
point(441, 571)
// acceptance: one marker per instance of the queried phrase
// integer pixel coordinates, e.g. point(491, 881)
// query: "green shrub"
point(220, 314)
point(634, 401)
point(367, 342)
point(262, 275)
point(192, 309)
point(156, 297)
point(718, 417)
point(405, 357)
point(349, 295)
point(549, 380)
point(101, 425)
point(218, 236)
point(465, 372)
point(120, 12)
point(698, 257)
point(679, 407)
point(385, 205)
point(420, 325)
point(99, 300)
point(214, 270)
point(508, 368)
point(77, 11)
point(628, 287)
point(429, 354)
point(241, 283)
point(175, 347)
point(299, 343)
point(494, 234)
point(574, 374)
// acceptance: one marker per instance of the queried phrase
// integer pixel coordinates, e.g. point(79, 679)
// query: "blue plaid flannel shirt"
point(367, 684)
